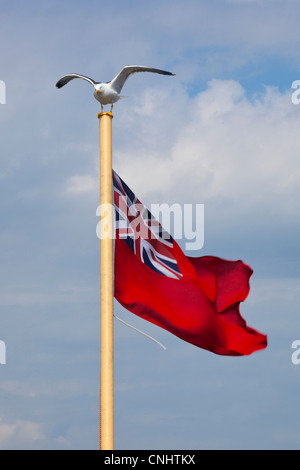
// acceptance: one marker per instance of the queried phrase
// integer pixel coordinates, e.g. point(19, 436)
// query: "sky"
point(222, 132)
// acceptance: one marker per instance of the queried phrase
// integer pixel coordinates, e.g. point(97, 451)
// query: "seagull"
point(109, 92)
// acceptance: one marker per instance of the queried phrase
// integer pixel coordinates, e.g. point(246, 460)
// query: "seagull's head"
point(99, 92)
point(99, 89)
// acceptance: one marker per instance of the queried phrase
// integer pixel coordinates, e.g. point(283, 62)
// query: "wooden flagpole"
point(106, 431)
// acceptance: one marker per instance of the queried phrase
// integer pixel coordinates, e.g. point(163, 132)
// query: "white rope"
point(139, 331)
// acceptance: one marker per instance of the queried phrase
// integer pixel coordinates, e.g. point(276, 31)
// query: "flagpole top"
point(109, 113)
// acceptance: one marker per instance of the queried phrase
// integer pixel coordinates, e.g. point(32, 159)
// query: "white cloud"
point(79, 184)
point(227, 146)
point(17, 388)
point(19, 434)
point(35, 296)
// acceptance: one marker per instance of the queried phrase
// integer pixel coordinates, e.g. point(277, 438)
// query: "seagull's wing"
point(64, 80)
point(118, 82)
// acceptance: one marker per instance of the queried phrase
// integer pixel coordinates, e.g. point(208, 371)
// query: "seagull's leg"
point(111, 107)
point(101, 108)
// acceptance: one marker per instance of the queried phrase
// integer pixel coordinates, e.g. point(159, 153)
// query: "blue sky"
point(224, 133)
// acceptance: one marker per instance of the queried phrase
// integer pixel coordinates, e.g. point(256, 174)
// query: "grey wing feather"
point(67, 78)
point(118, 82)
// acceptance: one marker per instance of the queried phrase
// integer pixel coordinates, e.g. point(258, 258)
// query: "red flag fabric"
point(196, 299)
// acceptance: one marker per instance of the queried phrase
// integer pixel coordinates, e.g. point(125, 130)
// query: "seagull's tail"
point(120, 97)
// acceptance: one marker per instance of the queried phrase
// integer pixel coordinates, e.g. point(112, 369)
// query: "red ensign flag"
point(196, 299)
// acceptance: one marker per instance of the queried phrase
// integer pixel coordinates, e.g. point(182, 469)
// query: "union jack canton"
point(143, 234)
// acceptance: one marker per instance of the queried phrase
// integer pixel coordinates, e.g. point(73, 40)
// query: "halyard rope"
point(139, 331)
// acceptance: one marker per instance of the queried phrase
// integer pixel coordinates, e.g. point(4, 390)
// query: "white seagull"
point(109, 92)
